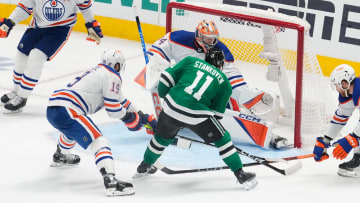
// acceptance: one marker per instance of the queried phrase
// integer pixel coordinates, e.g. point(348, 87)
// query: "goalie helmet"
point(215, 57)
point(206, 34)
point(111, 57)
point(342, 73)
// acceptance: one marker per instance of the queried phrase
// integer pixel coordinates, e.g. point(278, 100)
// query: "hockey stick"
point(153, 90)
point(170, 171)
point(141, 35)
point(264, 161)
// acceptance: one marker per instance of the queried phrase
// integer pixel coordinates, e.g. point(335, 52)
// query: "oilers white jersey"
point(346, 107)
point(179, 44)
point(51, 13)
point(97, 88)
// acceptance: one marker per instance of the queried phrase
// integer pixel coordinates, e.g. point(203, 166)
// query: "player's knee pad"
point(268, 102)
point(35, 63)
point(20, 62)
point(103, 156)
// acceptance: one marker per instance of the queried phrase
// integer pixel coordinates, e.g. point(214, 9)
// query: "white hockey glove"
point(154, 69)
point(94, 32)
point(274, 72)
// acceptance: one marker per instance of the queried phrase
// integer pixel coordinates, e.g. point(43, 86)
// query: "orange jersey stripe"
point(87, 123)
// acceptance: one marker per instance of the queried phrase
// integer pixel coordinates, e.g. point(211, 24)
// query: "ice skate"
point(247, 179)
point(278, 142)
point(15, 105)
point(144, 170)
point(7, 97)
point(115, 187)
point(350, 168)
point(60, 159)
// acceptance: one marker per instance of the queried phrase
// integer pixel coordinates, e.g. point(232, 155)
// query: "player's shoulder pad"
point(184, 38)
point(228, 55)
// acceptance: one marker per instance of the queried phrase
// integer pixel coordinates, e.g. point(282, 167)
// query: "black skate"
point(350, 168)
point(278, 142)
point(144, 170)
point(15, 105)
point(247, 179)
point(7, 97)
point(60, 159)
point(115, 187)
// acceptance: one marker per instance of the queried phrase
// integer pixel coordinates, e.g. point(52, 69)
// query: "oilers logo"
point(53, 10)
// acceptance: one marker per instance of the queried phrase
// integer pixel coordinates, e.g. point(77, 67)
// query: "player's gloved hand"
point(94, 31)
point(322, 143)
point(5, 27)
point(149, 121)
point(344, 145)
point(132, 121)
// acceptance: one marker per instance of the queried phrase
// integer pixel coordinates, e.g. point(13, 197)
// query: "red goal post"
point(256, 16)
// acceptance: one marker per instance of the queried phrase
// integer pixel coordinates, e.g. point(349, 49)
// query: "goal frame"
point(300, 49)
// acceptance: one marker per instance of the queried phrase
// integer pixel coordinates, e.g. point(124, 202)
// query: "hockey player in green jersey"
point(195, 94)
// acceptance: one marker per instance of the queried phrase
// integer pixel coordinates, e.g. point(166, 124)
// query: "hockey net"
point(240, 29)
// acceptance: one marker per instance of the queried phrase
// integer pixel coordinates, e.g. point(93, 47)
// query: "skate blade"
point(6, 111)
point(140, 175)
point(54, 164)
point(348, 174)
point(248, 185)
point(126, 191)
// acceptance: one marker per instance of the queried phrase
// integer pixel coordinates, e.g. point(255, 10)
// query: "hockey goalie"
point(251, 112)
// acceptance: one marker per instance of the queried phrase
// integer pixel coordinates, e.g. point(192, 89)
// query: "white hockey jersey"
point(97, 88)
point(179, 44)
point(51, 13)
point(344, 111)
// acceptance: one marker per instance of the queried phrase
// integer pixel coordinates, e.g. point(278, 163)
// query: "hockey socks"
point(155, 148)
point(228, 152)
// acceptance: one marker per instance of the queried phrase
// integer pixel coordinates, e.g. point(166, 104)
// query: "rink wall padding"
point(110, 26)
point(128, 30)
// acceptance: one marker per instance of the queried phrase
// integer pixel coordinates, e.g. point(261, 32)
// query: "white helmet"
point(341, 73)
point(111, 57)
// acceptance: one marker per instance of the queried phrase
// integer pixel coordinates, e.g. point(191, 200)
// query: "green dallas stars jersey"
point(193, 90)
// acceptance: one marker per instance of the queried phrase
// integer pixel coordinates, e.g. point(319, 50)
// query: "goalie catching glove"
point(344, 145)
point(149, 122)
point(322, 143)
point(132, 121)
point(5, 27)
point(94, 31)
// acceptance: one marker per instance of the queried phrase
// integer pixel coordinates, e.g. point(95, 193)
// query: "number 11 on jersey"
point(190, 89)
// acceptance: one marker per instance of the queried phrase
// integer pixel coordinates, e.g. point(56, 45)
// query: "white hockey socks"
point(103, 156)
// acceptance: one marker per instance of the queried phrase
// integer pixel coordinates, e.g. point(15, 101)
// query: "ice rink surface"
point(28, 142)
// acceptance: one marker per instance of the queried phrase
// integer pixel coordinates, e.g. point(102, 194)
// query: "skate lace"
point(11, 94)
point(16, 100)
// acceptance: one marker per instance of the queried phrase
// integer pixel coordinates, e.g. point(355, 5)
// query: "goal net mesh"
point(240, 29)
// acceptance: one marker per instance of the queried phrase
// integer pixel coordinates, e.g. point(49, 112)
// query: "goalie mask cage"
point(240, 29)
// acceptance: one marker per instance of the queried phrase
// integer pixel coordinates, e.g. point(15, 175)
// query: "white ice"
point(27, 144)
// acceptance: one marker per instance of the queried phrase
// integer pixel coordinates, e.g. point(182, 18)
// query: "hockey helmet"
point(111, 57)
point(206, 34)
point(342, 73)
point(215, 57)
